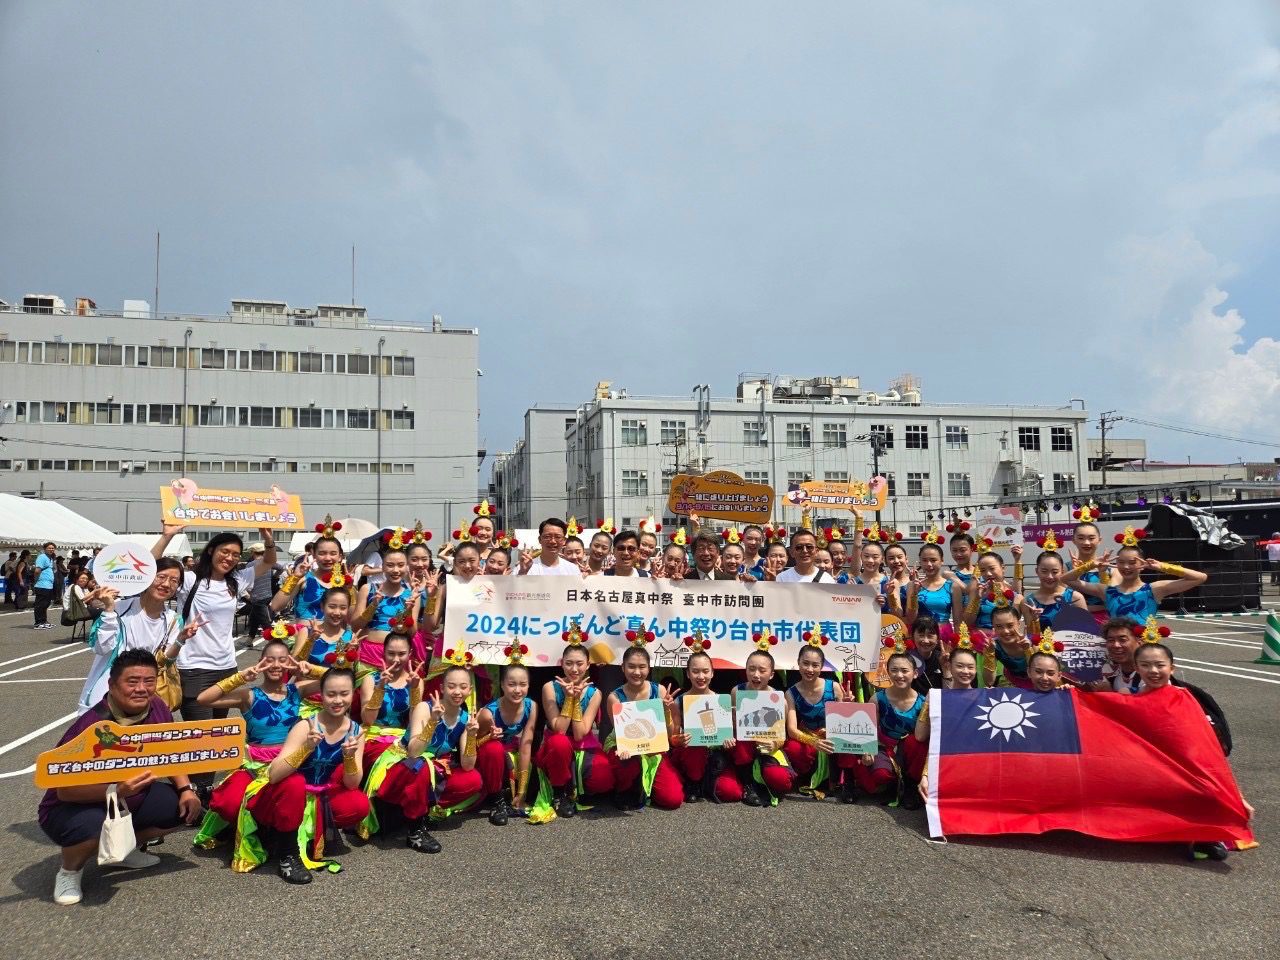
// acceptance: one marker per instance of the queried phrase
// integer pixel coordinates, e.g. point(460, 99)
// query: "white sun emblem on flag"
point(1006, 715)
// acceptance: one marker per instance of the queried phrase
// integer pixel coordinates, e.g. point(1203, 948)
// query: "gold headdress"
point(697, 643)
point(1151, 632)
point(764, 640)
point(1132, 536)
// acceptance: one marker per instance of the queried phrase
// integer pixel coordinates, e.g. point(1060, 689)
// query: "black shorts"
point(72, 823)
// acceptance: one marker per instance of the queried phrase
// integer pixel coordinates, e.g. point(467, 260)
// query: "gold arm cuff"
point(427, 732)
point(1082, 569)
point(233, 682)
point(290, 583)
point(299, 756)
point(349, 765)
point(1173, 570)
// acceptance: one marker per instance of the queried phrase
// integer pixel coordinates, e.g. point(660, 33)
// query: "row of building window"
point(635, 483)
point(209, 415)
point(167, 467)
point(635, 433)
point(200, 358)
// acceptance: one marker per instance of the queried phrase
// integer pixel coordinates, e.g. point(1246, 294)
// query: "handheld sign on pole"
point(108, 752)
point(124, 567)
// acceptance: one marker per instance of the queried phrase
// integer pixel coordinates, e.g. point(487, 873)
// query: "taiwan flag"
point(1139, 768)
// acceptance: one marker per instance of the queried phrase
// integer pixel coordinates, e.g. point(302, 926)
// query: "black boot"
point(500, 813)
point(289, 863)
point(420, 837)
point(632, 799)
point(752, 795)
point(693, 792)
point(716, 764)
point(564, 803)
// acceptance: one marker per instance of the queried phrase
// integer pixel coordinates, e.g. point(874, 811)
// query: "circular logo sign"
point(124, 567)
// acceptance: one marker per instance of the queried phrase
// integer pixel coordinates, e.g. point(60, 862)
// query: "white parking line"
point(29, 656)
point(47, 680)
point(1223, 643)
point(1226, 673)
point(1231, 666)
point(18, 773)
point(26, 738)
point(33, 666)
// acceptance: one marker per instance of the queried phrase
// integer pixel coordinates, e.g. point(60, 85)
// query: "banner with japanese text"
point(489, 614)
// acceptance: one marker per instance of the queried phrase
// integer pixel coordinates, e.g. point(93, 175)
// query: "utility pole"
point(1104, 419)
point(877, 448)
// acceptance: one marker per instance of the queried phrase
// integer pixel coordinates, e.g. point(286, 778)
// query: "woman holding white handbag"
point(76, 818)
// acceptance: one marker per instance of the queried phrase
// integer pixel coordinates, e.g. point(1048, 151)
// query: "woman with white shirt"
point(140, 622)
point(209, 596)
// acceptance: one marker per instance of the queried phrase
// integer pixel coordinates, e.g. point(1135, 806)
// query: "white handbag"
point(117, 840)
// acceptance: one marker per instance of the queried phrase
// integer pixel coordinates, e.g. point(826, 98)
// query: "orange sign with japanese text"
point(184, 502)
point(721, 494)
point(829, 495)
point(109, 753)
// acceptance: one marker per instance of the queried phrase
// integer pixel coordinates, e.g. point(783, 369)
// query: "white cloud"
point(1209, 374)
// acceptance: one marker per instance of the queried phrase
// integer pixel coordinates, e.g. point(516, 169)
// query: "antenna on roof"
point(353, 274)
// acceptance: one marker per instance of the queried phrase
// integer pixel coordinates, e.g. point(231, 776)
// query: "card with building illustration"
point(640, 727)
point(708, 719)
point(851, 728)
point(761, 715)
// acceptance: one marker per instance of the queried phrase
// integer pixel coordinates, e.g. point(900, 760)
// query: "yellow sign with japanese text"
point(184, 502)
point(109, 753)
point(821, 495)
point(721, 494)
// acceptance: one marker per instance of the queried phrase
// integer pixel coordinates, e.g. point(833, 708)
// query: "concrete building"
point(1130, 473)
point(528, 483)
point(100, 409)
point(619, 451)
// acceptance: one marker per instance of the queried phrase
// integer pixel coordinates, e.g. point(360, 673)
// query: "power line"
point(1202, 433)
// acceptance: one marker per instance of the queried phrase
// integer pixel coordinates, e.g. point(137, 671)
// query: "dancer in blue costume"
point(504, 754)
point(1050, 598)
point(311, 790)
point(304, 587)
point(1131, 596)
point(934, 590)
point(270, 710)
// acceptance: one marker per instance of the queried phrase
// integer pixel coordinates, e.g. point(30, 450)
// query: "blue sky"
point(1014, 202)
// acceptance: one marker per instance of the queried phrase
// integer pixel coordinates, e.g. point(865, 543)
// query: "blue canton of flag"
point(1008, 720)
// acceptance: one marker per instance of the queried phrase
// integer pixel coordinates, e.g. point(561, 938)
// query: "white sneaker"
point(138, 860)
point(66, 887)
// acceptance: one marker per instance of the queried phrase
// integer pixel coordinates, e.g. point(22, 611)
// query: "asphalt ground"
point(805, 879)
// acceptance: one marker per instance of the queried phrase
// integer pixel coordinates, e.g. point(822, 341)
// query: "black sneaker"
point(693, 793)
point(848, 791)
point(751, 795)
point(501, 812)
point(911, 799)
point(564, 803)
point(632, 799)
point(420, 838)
point(291, 869)
point(1207, 851)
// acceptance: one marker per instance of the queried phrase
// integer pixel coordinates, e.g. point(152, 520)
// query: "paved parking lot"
point(805, 879)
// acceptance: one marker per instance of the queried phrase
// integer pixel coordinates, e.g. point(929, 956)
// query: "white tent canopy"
point(25, 522)
point(353, 531)
point(179, 546)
